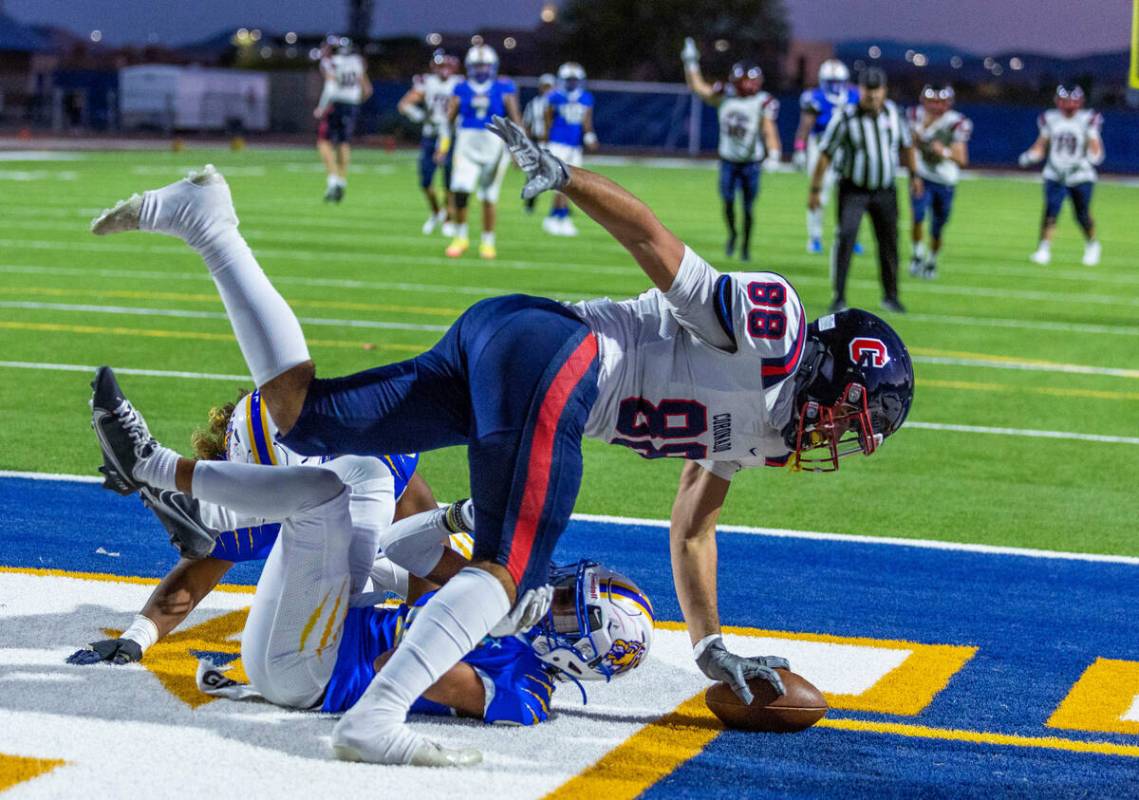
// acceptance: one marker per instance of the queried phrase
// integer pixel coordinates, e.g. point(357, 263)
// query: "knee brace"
point(461, 199)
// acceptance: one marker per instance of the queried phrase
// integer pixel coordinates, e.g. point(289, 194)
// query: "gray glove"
point(527, 612)
point(718, 664)
point(690, 55)
point(544, 172)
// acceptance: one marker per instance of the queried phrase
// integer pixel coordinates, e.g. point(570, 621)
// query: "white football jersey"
point(436, 97)
point(741, 129)
point(947, 128)
point(702, 372)
point(1068, 138)
point(347, 76)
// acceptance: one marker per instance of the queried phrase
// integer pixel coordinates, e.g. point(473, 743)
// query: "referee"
point(865, 141)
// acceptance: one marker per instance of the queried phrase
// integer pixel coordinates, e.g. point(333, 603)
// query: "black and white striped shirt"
point(865, 146)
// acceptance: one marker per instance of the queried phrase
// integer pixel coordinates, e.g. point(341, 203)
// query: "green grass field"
point(998, 342)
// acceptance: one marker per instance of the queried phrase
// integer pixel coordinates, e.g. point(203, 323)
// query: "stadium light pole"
point(360, 19)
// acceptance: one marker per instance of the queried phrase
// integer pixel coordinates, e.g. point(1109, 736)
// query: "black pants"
point(882, 205)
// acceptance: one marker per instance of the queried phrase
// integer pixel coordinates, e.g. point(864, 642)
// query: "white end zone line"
point(747, 530)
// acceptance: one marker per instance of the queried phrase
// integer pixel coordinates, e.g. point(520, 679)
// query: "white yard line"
point(220, 315)
point(1029, 366)
point(780, 533)
point(150, 373)
point(1026, 432)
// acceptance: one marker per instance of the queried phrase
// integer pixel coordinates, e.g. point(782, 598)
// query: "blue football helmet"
point(599, 626)
point(855, 386)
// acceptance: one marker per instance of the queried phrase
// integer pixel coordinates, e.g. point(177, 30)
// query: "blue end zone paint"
point(1038, 623)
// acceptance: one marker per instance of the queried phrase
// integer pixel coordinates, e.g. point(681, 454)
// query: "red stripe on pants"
point(542, 454)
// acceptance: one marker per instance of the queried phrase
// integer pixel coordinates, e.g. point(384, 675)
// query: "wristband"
point(800, 144)
point(702, 645)
point(444, 144)
point(142, 631)
point(775, 156)
point(816, 189)
point(590, 139)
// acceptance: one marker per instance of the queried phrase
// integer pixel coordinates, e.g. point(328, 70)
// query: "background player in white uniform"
point(534, 118)
point(427, 102)
point(941, 137)
point(1070, 146)
point(816, 107)
point(346, 86)
point(480, 159)
point(569, 128)
point(748, 137)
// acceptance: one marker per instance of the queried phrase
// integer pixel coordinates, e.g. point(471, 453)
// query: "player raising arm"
point(748, 136)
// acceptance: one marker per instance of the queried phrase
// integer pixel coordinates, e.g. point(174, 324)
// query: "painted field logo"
point(867, 351)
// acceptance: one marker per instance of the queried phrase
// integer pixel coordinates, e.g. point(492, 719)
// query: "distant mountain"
point(1105, 69)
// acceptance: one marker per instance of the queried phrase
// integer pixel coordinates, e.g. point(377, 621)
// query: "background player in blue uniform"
point(816, 106)
point(569, 125)
point(480, 160)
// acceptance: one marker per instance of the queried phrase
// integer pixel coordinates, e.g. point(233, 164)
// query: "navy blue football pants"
point(514, 379)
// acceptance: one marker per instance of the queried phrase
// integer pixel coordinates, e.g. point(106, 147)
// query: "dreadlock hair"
point(208, 443)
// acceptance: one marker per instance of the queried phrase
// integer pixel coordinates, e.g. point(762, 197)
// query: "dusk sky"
point(1058, 27)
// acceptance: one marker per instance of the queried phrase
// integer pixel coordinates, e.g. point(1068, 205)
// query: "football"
point(801, 707)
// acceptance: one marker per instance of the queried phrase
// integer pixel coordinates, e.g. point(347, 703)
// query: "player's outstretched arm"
point(692, 543)
point(171, 602)
point(627, 219)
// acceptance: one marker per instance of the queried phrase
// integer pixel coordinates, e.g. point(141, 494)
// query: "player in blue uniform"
point(569, 126)
point(241, 432)
point(816, 106)
point(480, 160)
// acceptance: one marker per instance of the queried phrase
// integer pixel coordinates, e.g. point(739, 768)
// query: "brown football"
point(801, 707)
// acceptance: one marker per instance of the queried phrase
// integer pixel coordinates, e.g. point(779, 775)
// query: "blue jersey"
point(518, 686)
point(569, 112)
point(255, 543)
point(822, 106)
point(479, 102)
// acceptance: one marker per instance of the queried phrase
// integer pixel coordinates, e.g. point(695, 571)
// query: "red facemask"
point(831, 432)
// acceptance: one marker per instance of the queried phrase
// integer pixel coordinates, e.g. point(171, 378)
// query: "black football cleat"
point(123, 436)
point(181, 516)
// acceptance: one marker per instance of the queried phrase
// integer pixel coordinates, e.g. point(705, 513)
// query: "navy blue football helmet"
point(856, 384)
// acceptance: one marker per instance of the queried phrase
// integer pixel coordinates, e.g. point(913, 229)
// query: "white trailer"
point(193, 98)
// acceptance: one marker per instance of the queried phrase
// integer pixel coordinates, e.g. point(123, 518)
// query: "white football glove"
point(690, 55)
point(544, 172)
point(799, 159)
point(527, 612)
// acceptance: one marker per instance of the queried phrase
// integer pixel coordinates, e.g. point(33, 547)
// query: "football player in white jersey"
point(748, 137)
point(426, 102)
point(941, 135)
point(1071, 147)
point(723, 370)
point(346, 86)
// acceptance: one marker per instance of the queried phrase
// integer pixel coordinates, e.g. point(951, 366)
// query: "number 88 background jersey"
point(702, 372)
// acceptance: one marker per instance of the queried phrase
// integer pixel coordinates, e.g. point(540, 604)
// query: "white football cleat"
point(353, 741)
point(1042, 256)
point(434, 221)
point(552, 226)
point(568, 228)
point(1092, 253)
point(194, 209)
point(450, 229)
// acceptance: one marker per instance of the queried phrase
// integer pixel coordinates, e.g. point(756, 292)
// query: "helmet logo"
point(870, 352)
point(624, 655)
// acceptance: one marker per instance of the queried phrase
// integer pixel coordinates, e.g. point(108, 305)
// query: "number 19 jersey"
point(702, 372)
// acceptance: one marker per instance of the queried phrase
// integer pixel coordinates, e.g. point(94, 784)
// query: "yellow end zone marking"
point(45, 572)
point(173, 662)
point(160, 333)
point(981, 737)
point(17, 769)
point(1100, 699)
point(905, 690)
point(650, 754)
